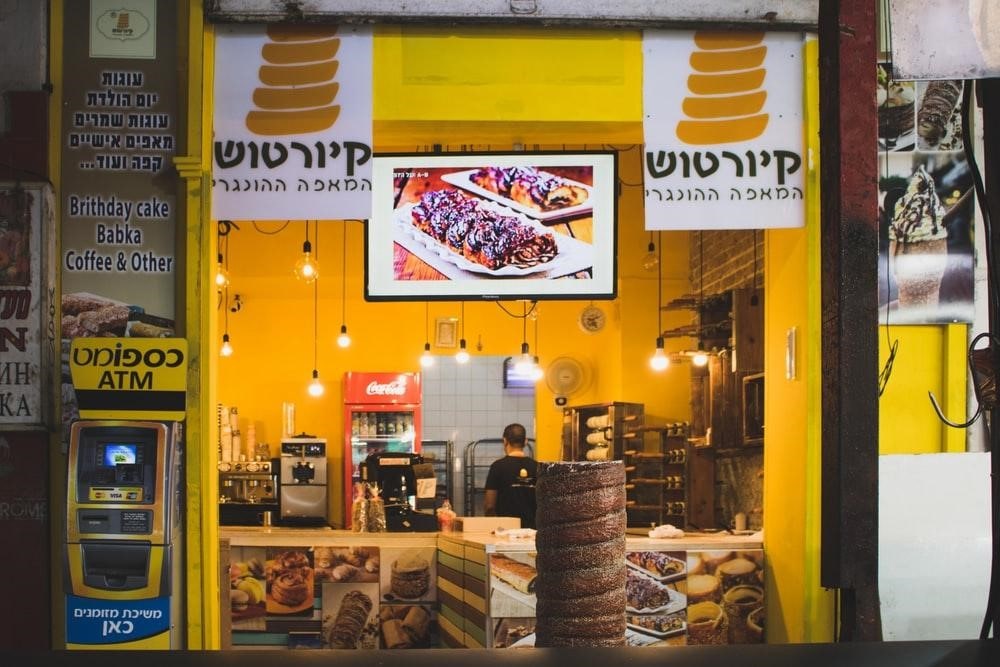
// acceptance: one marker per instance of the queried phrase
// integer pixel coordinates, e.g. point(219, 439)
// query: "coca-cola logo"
point(396, 388)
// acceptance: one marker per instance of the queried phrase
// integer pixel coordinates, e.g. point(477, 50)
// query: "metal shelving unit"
point(439, 454)
point(476, 460)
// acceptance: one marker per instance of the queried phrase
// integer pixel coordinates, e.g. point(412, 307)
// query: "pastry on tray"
point(350, 621)
point(530, 187)
point(479, 233)
point(518, 575)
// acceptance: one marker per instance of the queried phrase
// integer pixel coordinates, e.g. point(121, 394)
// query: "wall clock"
point(592, 319)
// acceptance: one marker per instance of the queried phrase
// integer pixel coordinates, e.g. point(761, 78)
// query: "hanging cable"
point(343, 339)
point(659, 361)
point(462, 355)
point(427, 359)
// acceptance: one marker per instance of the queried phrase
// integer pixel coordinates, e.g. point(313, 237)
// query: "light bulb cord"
point(315, 324)
point(701, 285)
point(343, 280)
point(659, 283)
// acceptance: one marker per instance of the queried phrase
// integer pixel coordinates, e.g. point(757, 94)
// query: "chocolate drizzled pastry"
point(481, 234)
point(937, 106)
point(530, 187)
point(350, 621)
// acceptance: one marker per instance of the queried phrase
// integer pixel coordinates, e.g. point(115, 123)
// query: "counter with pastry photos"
point(702, 588)
point(328, 589)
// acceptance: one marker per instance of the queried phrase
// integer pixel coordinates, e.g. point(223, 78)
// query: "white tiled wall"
point(467, 402)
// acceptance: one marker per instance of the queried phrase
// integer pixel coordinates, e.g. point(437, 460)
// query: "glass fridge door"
point(373, 431)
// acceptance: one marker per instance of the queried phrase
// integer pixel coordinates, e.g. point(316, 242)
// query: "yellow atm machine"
point(124, 549)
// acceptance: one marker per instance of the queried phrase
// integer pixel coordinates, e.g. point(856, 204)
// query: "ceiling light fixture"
point(524, 363)
point(659, 361)
point(307, 268)
point(700, 358)
point(221, 275)
point(227, 349)
point(315, 387)
point(222, 246)
point(462, 356)
point(650, 260)
point(427, 359)
point(343, 340)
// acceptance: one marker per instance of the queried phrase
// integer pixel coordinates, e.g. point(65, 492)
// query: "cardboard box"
point(485, 524)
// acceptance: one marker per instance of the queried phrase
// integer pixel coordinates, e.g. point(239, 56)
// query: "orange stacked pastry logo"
point(725, 86)
point(297, 90)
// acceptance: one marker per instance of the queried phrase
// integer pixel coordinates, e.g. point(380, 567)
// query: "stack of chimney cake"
point(580, 544)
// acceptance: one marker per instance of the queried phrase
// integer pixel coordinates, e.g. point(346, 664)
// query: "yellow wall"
point(928, 358)
point(798, 610)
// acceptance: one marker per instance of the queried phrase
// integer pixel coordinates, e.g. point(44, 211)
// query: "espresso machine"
point(303, 487)
point(406, 484)
point(248, 492)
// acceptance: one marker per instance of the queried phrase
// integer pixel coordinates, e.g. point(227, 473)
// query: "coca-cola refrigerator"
point(381, 414)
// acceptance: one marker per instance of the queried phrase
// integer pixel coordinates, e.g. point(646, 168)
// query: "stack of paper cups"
point(287, 420)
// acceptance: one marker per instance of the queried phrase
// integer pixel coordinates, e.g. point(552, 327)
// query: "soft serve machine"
point(303, 488)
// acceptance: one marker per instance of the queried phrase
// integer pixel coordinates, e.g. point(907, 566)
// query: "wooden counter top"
point(259, 536)
point(690, 542)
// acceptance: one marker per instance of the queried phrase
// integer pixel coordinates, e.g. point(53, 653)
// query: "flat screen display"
point(492, 226)
point(119, 454)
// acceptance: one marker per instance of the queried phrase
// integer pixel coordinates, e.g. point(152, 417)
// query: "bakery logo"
point(127, 357)
point(123, 24)
point(725, 89)
point(297, 87)
point(396, 388)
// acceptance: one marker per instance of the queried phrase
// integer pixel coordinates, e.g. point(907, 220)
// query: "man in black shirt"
point(510, 483)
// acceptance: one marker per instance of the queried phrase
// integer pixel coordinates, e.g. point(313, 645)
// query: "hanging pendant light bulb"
point(221, 275)
point(316, 387)
point(650, 260)
point(427, 359)
point(700, 358)
point(307, 268)
point(462, 356)
point(343, 340)
point(524, 363)
point(659, 361)
point(536, 371)
point(227, 348)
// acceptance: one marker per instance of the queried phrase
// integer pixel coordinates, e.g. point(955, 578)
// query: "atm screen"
point(119, 454)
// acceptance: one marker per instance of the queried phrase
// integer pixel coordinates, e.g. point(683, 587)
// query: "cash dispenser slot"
point(119, 567)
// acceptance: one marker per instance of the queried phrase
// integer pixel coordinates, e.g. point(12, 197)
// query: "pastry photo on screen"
point(492, 226)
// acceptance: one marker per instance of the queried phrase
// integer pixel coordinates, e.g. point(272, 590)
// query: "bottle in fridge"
point(386, 409)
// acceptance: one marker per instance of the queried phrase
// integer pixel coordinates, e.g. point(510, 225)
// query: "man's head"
point(514, 436)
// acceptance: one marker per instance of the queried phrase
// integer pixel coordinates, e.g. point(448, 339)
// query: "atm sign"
point(129, 378)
